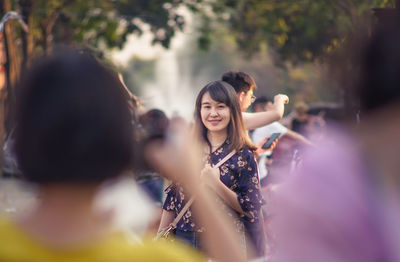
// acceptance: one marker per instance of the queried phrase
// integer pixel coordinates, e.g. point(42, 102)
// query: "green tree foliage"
point(97, 23)
point(298, 30)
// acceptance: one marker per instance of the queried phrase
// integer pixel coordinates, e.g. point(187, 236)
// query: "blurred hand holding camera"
point(178, 156)
point(210, 176)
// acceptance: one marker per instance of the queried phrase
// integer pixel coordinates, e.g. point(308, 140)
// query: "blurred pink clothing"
point(333, 209)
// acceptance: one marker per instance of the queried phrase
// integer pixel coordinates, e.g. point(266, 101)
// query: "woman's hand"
point(177, 158)
point(210, 176)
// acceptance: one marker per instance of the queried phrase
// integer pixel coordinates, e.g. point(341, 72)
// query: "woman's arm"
point(210, 176)
point(249, 194)
point(166, 218)
point(247, 200)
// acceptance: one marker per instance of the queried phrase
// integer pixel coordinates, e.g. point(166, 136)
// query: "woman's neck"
point(216, 139)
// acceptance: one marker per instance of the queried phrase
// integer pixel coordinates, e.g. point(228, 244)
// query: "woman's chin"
point(216, 129)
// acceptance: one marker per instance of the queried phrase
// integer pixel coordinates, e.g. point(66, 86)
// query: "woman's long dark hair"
point(224, 93)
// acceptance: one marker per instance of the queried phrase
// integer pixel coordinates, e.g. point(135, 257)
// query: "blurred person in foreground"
point(343, 204)
point(74, 131)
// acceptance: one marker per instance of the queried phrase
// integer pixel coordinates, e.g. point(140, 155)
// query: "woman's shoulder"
point(243, 154)
point(246, 151)
point(171, 188)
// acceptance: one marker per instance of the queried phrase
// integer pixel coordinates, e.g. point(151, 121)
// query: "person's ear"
point(241, 96)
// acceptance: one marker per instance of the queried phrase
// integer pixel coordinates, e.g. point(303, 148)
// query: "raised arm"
point(259, 119)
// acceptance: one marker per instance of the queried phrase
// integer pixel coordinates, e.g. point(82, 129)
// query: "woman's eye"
point(221, 106)
point(206, 107)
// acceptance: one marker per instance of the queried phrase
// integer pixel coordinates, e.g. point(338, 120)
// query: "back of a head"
point(379, 81)
point(301, 108)
point(367, 67)
point(154, 123)
point(153, 126)
point(259, 104)
point(240, 81)
point(73, 121)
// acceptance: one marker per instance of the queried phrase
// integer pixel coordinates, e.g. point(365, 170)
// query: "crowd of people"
point(78, 127)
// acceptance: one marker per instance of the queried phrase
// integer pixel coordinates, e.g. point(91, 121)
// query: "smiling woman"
point(214, 115)
point(218, 101)
point(230, 171)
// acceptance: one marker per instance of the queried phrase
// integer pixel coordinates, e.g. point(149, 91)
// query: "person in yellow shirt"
point(74, 131)
point(17, 245)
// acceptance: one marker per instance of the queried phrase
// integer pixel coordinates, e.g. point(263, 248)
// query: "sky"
point(170, 90)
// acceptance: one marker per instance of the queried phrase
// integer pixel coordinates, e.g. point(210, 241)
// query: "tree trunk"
point(12, 68)
point(26, 7)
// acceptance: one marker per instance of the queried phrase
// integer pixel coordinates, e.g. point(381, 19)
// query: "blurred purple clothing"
point(332, 209)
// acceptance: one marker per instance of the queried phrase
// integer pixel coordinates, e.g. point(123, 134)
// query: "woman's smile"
point(214, 122)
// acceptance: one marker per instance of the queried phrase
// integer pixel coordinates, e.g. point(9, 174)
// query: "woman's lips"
point(214, 122)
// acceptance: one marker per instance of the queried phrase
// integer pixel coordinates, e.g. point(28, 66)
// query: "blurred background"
point(167, 50)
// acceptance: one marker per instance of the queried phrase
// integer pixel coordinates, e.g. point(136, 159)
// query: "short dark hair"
point(240, 81)
point(262, 100)
point(378, 84)
point(73, 121)
point(154, 123)
point(153, 126)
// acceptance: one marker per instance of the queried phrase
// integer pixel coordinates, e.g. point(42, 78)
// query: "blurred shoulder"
point(169, 251)
point(7, 228)
point(19, 246)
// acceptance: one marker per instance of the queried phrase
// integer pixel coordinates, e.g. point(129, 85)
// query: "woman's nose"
point(213, 112)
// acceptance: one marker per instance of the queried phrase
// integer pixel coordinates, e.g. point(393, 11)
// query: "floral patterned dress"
point(239, 173)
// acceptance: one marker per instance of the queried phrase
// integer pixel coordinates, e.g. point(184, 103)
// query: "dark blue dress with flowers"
point(239, 173)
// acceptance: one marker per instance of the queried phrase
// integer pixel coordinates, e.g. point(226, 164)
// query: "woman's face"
point(214, 115)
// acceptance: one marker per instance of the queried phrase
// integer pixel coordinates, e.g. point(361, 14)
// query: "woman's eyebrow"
point(205, 103)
